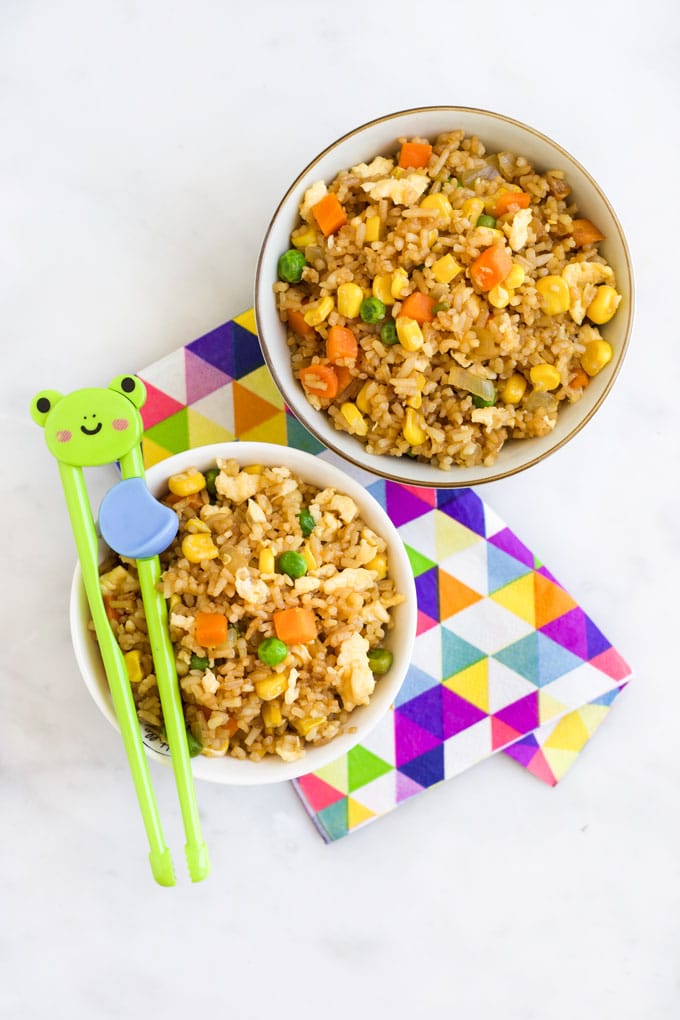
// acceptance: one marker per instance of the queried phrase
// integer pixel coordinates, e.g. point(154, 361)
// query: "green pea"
point(372, 310)
point(199, 662)
point(195, 746)
point(459, 184)
point(441, 307)
point(380, 660)
point(210, 477)
point(290, 266)
point(307, 522)
point(271, 651)
point(481, 402)
point(292, 563)
point(388, 333)
point(486, 221)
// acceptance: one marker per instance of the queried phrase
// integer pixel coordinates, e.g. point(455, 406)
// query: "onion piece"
point(488, 172)
point(463, 379)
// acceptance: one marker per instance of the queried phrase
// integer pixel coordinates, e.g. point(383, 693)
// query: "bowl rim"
point(630, 309)
point(246, 772)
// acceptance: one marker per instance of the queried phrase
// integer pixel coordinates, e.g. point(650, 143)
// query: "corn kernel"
point(514, 389)
point(515, 277)
point(306, 725)
point(544, 377)
point(413, 432)
point(473, 209)
point(439, 202)
point(133, 666)
point(382, 288)
point(399, 283)
point(319, 311)
point(109, 582)
point(445, 269)
point(354, 418)
point(601, 309)
point(416, 399)
point(303, 236)
point(186, 483)
point(361, 399)
point(378, 565)
point(410, 334)
point(598, 353)
point(271, 687)
point(174, 601)
point(373, 225)
point(489, 235)
point(554, 292)
point(271, 715)
point(196, 526)
point(309, 558)
point(266, 561)
point(253, 469)
point(499, 296)
point(197, 548)
point(350, 296)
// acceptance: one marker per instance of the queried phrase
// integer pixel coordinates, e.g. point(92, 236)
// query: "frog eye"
point(42, 404)
point(131, 387)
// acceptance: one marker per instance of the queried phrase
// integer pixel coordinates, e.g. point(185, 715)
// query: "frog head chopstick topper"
point(89, 428)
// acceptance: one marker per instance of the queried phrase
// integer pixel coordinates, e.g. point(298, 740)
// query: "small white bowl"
point(498, 133)
point(399, 639)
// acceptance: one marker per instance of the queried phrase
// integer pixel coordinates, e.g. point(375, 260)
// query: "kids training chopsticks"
point(90, 428)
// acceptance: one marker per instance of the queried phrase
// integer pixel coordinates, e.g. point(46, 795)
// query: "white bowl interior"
point(379, 137)
point(399, 640)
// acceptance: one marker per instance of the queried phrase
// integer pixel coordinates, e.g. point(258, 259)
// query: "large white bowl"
point(379, 137)
point(399, 640)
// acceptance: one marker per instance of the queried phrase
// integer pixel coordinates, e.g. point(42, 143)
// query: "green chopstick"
point(89, 428)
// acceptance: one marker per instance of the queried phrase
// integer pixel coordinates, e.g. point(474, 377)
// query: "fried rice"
point(482, 364)
point(228, 567)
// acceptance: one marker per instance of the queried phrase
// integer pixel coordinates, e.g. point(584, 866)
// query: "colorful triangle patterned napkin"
point(504, 659)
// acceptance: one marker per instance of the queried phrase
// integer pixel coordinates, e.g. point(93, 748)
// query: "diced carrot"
point(418, 306)
point(415, 154)
point(509, 200)
point(585, 232)
point(296, 321)
point(344, 377)
point(295, 626)
point(321, 380)
point(491, 267)
point(579, 381)
point(211, 629)
point(231, 726)
point(329, 214)
point(341, 344)
point(111, 613)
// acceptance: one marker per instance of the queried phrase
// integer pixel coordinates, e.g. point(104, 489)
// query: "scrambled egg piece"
point(357, 682)
point(401, 190)
point(492, 417)
point(209, 683)
point(378, 166)
point(306, 584)
point(238, 487)
point(252, 590)
point(582, 279)
point(519, 229)
point(344, 506)
point(356, 578)
point(312, 196)
point(255, 512)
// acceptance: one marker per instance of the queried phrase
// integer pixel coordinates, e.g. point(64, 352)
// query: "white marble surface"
point(143, 147)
